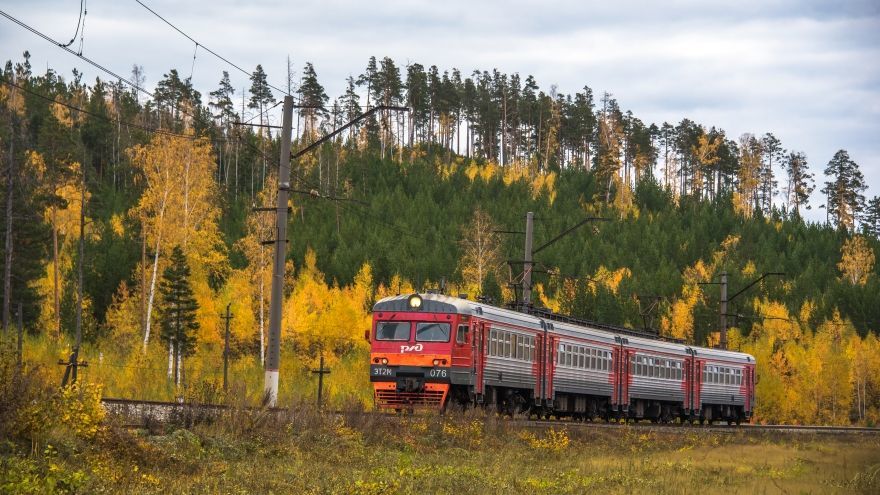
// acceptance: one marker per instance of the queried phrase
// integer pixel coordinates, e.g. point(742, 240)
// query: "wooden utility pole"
point(527, 267)
point(723, 320)
point(226, 317)
point(321, 371)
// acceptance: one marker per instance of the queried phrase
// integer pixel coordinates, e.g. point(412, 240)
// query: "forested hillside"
point(102, 183)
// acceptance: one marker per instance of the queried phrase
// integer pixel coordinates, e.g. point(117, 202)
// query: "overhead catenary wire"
point(79, 23)
point(212, 52)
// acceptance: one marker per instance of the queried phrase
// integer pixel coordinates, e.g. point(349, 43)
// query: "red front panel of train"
point(411, 358)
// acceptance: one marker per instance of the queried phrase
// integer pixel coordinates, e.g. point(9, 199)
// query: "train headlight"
point(415, 301)
point(384, 360)
point(436, 362)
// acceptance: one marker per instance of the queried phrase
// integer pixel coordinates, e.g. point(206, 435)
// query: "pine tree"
point(417, 100)
point(261, 97)
point(845, 200)
point(222, 101)
point(311, 95)
point(773, 153)
point(178, 311)
point(871, 219)
point(261, 93)
point(800, 182)
point(387, 91)
point(350, 104)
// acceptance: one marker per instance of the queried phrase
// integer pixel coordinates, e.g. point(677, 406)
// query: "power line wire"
point(212, 52)
point(361, 212)
point(88, 60)
point(83, 57)
point(102, 117)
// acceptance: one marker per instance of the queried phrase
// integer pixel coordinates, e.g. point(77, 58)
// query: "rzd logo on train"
point(411, 348)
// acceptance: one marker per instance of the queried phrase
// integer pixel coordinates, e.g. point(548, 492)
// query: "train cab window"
point(392, 330)
point(461, 336)
point(433, 332)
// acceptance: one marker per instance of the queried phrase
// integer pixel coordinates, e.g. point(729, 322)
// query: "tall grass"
point(132, 374)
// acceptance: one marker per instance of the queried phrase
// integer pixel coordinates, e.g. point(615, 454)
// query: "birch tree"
point(480, 250)
point(177, 206)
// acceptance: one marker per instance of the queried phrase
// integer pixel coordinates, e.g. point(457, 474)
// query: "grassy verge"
point(306, 452)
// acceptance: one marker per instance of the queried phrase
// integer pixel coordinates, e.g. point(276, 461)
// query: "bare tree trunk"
point(152, 293)
point(143, 279)
point(55, 276)
point(7, 262)
point(262, 310)
point(81, 260)
point(172, 361)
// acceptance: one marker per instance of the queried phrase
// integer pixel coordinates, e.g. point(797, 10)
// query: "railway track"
point(143, 411)
point(714, 428)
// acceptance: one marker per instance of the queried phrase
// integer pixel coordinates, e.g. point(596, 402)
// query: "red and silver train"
point(431, 350)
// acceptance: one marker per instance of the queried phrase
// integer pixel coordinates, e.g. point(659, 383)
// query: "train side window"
point(492, 346)
point(461, 336)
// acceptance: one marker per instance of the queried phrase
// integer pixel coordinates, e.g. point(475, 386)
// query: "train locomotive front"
point(411, 351)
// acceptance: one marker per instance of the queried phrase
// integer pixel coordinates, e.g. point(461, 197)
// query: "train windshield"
point(392, 330)
point(432, 332)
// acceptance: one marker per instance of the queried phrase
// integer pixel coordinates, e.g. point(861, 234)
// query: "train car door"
point(625, 375)
point(620, 365)
point(550, 367)
point(697, 404)
point(462, 355)
point(478, 355)
point(538, 367)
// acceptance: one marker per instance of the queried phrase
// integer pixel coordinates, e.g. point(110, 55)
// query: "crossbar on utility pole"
point(273, 358)
point(724, 299)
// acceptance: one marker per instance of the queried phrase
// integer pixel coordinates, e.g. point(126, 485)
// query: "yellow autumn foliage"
point(856, 260)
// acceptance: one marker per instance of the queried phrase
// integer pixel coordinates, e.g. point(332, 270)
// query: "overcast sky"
point(807, 71)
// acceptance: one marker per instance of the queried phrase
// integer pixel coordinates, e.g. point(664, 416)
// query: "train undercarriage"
point(513, 401)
